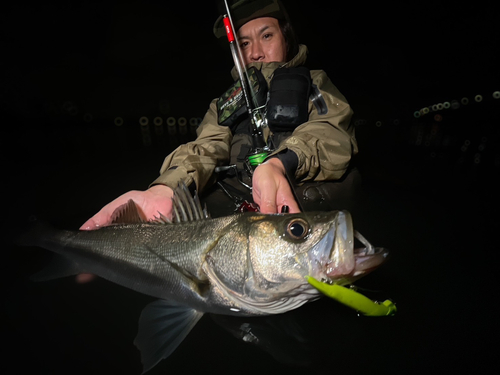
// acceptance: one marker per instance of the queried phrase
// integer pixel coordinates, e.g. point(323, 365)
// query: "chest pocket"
point(231, 106)
point(288, 98)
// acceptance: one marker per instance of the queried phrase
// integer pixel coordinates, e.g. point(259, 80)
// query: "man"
point(317, 149)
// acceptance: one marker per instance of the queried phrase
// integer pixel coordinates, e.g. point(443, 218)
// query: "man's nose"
point(256, 52)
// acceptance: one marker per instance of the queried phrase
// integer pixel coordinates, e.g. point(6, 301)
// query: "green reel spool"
point(257, 159)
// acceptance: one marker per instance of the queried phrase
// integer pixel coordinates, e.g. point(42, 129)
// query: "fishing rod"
point(260, 149)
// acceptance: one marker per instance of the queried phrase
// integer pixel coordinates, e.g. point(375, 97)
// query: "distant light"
point(496, 95)
point(87, 117)
point(158, 121)
point(67, 106)
point(143, 121)
point(446, 105)
point(182, 121)
point(464, 101)
point(118, 121)
point(418, 142)
point(378, 124)
point(477, 158)
point(171, 121)
point(478, 98)
point(193, 121)
point(438, 118)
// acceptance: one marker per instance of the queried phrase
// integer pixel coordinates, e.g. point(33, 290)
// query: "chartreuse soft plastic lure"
point(354, 299)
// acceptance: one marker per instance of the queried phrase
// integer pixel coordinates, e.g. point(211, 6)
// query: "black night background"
point(88, 89)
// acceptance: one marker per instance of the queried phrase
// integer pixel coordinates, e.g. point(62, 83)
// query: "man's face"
point(261, 40)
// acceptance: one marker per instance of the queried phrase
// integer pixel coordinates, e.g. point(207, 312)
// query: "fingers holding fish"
point(271, 189)
point(151, 203)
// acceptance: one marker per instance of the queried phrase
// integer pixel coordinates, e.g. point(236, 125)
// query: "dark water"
point(437, 214)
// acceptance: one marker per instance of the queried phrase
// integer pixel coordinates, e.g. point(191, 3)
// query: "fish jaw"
point(368, 260)
point(332, 258)
point(335, 260)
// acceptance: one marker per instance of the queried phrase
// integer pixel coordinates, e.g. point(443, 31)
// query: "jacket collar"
point(268, 68)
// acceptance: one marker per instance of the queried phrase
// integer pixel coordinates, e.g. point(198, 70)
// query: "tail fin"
point(57, 268)
point(39, 234)
point(32, 233)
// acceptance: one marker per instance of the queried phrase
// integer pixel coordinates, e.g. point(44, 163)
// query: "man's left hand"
point(270, 188)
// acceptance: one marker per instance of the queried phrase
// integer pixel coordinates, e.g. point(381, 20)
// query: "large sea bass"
point(243, 264)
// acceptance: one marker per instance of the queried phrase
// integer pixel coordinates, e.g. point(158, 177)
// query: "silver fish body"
point(243, 264)
point(248, 263)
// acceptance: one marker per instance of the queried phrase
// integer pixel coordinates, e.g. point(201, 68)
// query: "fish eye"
point(297, 229)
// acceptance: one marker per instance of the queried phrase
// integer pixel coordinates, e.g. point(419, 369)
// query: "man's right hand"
point(151, 202)
point(157, 199)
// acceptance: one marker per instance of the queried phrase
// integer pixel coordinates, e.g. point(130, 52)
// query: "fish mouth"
point(368, 258)
point(334, 258)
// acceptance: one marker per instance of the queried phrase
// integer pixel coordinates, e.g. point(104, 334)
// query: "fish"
point(246, 264)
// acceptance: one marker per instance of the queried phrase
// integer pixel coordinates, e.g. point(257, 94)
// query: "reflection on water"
point(283, 337)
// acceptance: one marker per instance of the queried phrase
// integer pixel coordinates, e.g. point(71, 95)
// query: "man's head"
point(261, 40)
point(264, 30)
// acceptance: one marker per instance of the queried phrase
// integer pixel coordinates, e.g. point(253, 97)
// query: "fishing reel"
point(260, 149)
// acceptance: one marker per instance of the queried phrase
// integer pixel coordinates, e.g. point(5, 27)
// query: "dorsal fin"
point(186, 207)
point(128, 213)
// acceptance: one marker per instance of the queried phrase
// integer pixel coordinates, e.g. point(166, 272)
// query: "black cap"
point(243, 11)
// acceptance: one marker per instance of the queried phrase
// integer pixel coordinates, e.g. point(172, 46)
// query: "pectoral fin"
point(163, 325)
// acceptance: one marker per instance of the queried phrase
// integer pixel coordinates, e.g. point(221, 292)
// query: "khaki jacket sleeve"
point(324, 144)
point(195, 161)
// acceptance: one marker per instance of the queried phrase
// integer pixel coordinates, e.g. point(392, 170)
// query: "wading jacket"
point(324, 144)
